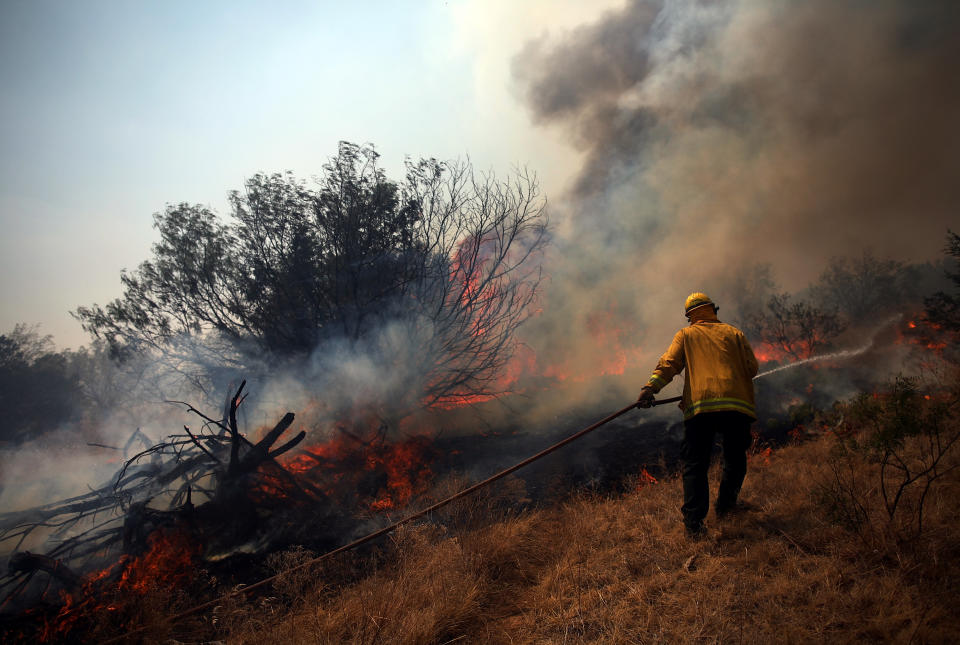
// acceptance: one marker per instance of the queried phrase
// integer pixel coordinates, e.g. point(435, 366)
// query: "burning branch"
point(153, 489)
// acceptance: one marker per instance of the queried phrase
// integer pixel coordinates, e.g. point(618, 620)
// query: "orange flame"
point(645, 478)
point(167, 562)
point(339, 467)
point(925, 334)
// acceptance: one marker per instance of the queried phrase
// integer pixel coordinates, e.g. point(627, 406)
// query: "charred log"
point(27, 563)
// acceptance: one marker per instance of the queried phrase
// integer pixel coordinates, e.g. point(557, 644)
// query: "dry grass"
point(620, 570)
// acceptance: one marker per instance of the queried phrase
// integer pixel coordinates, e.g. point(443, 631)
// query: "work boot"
point(724, 510)
point(696, 531)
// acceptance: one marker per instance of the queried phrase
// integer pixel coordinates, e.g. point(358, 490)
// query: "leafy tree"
point(859, 288)
point(452, 253)
point(798, 329)
point(38, 391)
point(943, 309)
point(910, 442)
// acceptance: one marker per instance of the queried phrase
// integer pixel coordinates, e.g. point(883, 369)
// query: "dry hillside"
point(850, 537)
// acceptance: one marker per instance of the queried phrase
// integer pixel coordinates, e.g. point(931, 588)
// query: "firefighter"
point(717, 397)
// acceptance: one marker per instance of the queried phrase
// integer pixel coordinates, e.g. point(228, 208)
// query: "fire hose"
point(387, 529)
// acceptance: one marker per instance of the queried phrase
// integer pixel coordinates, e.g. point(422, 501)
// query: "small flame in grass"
point(924, 334)
point(763, 456)
point(644, 478)
point(167, 562)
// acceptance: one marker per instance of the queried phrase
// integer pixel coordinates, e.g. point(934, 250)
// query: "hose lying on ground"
point(387, 529)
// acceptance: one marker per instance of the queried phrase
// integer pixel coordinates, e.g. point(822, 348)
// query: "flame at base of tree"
point(385, 475)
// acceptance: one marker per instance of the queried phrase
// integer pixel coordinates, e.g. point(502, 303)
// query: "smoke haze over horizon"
point(717, 136)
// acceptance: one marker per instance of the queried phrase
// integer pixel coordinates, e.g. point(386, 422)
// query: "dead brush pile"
point(850, 536)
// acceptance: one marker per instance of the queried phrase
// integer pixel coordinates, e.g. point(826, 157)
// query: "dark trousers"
point(697, 447)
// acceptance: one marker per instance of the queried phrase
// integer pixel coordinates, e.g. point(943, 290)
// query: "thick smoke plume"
point(720, 135)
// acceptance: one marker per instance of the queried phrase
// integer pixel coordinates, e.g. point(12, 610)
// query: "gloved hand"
point(645, 400)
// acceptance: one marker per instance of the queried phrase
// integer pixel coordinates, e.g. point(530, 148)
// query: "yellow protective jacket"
point(720, 367)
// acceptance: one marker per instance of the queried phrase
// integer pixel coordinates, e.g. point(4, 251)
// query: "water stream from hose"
point(847, 353)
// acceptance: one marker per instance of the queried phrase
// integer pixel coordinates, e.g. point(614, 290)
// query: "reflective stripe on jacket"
point(720, 367)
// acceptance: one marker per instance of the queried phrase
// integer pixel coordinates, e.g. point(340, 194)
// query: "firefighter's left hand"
point(645, 400)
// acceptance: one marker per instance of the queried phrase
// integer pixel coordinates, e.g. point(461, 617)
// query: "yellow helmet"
point(696, 300)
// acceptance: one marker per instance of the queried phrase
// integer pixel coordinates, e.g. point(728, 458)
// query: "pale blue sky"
point(111, 109)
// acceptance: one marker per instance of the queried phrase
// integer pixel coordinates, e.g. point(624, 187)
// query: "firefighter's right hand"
point(645, 400)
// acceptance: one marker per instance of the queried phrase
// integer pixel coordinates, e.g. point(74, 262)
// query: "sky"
point(110, 110)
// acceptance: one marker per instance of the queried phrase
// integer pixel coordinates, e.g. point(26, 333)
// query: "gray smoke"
point(720, 135)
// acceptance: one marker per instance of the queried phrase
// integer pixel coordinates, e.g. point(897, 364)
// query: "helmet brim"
point(700, 306)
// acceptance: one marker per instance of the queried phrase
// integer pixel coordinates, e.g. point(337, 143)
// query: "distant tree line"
point(43, 389)
point(944, 308)
point(850, 293)
point(38, 390)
